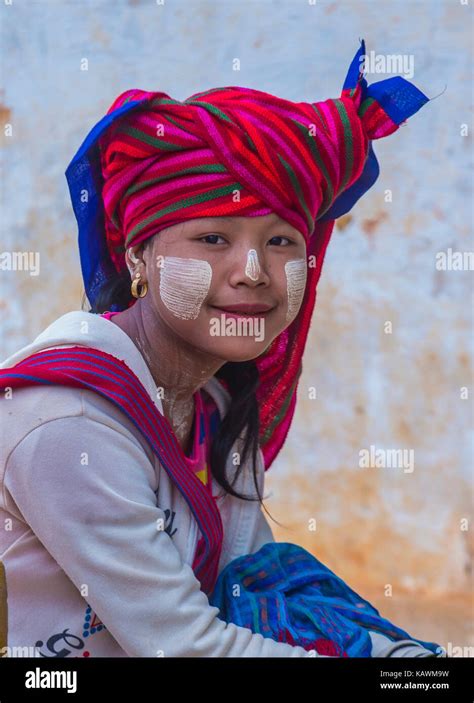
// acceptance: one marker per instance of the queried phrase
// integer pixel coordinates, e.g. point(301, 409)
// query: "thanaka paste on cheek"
point(296, 273)
point(184, 285)
point(252, 267)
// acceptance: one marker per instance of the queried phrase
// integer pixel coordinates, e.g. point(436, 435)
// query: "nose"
point(250, 269)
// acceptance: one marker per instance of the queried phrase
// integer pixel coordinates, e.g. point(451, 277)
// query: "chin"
point(248, 357)
point(235, 349)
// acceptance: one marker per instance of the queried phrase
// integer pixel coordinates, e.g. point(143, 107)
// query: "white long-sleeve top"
point(90, 570)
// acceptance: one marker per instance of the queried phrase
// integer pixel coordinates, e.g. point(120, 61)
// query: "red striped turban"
point(153, 162)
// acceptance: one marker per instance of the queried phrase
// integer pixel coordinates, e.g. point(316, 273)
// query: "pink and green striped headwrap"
point(154, 161)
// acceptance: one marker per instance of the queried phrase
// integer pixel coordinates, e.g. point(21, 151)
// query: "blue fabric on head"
point(349, 197)
point(85, 183)
point(400, 99)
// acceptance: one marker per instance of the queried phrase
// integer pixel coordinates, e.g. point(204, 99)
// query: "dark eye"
point(288, 240)
point(210, 235)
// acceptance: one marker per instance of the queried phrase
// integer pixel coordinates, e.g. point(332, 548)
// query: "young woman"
point(137, 434)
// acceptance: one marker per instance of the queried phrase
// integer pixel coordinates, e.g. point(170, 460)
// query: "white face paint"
point(252, 267)
point(296, 273)
point(184, 285)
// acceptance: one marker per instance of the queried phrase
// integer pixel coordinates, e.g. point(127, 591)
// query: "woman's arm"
point(99, 522)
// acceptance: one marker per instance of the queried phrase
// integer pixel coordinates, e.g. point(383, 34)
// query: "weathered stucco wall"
point(399, 537)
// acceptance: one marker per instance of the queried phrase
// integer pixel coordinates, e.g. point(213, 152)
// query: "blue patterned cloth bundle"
point(285, 593)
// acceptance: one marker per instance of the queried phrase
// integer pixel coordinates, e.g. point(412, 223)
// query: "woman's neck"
point(178, 370)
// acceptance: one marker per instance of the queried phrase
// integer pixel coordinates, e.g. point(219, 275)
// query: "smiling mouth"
point(241, 313)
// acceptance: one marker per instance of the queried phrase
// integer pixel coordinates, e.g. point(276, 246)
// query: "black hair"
point(240, 378)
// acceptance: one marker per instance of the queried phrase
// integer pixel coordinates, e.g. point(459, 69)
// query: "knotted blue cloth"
point(283, 592)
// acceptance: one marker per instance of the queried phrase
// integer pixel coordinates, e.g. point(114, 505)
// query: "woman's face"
point(199, 271)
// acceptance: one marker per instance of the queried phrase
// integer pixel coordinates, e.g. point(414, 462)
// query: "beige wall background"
point(402, 539)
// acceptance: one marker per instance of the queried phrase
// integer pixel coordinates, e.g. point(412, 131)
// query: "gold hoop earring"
point(143, 287)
